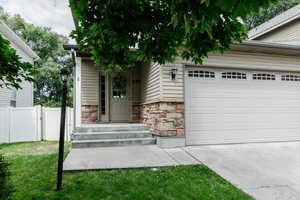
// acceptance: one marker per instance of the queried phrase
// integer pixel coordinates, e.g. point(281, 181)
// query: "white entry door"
point(120, 97)
point(236, 106)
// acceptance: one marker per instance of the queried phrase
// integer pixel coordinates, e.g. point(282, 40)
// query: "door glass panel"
point(119, 89)
point(103, 94)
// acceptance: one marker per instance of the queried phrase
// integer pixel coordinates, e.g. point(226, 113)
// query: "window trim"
point(13, 98)
point(263, 77)
point(103, 108)
point(201, 74)
point(233, 75)
point(118, 89)
point(290, 78)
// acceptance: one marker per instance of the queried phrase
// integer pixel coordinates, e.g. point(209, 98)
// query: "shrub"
point(5, 188)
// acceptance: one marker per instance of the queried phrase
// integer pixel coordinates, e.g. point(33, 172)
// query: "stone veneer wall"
point(165, 118)
point(136, 113)
point(89, 114)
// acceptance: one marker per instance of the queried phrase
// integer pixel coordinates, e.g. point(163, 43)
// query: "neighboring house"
point(284, 28)
point(22, 97)
point(248, 94)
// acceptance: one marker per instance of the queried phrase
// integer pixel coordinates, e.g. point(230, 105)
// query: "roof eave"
point(256, 35)
point(10, 35)
point(276, 22)
point(253, 46)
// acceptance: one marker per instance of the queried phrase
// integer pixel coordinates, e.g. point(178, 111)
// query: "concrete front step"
point(111, 135)
point(112, 142)
point(111, 128)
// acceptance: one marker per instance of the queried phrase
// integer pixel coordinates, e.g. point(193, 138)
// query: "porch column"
point(77, 96)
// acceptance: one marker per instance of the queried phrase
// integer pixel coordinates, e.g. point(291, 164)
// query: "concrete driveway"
point(266, 171)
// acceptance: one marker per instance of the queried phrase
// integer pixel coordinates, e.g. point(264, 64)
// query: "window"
point(264, 77)
point(202, 74)
point(234, 75)
point(119, 90)
point(13, 97)
point(103, 94)
point(290, 77)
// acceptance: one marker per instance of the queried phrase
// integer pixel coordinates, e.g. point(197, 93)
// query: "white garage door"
point(236, 106)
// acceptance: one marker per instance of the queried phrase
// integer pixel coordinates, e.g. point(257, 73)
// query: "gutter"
point(75, 48)
point(273, 45)
point(73, 52)
point(80, 53)
point(71, 47)
point(246, 46)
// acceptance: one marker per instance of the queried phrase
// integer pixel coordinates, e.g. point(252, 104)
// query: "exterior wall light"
point(173, 73)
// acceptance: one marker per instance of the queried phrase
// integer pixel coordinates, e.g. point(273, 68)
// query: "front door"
point(120, 105)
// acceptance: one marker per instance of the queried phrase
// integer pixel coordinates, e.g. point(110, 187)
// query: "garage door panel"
point(242, 126)
point(251, 87)
point(236, 105)
point(232, 107)
point(237, 111)
point(243, 95)
point(234, 118)
point(234, 136)
point(242, 92)
point(245, 98)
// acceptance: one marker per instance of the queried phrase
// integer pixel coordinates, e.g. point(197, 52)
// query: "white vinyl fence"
point(37, 123)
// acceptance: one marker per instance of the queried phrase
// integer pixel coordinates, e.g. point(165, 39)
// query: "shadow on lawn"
point(34, 175)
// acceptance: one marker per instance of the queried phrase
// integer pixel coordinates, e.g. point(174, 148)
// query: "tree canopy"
point(265, 14)
point(118, 33)
point(12, 69)
point(48, 45)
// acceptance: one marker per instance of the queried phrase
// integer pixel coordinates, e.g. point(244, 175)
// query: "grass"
point(33, 175)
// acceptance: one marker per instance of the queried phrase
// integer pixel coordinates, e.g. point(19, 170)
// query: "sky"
point(51, 13)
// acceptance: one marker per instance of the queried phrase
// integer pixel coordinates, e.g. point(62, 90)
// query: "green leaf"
point(108, 29)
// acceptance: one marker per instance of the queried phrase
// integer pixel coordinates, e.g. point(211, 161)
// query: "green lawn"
point(33, 176)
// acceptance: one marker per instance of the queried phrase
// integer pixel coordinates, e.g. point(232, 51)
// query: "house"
point(250, 93)
point(10, 96)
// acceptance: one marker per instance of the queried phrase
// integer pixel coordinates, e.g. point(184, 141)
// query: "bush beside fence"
point(5, 188)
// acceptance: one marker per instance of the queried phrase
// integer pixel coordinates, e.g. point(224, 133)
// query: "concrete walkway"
point(125, 157)
point(269, 171)
point(265, 171)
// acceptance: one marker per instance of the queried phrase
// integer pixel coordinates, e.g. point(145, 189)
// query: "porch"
point(120, 145)
point(129, 97)
point(112, 135)
point(106, 97)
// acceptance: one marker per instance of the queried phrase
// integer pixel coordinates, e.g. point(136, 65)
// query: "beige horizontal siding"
point(288, 32)
point(236, 59)
point(25, 96)
point(173, 90)
point(150, 83)
point(4, 97)
point(89, 83)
